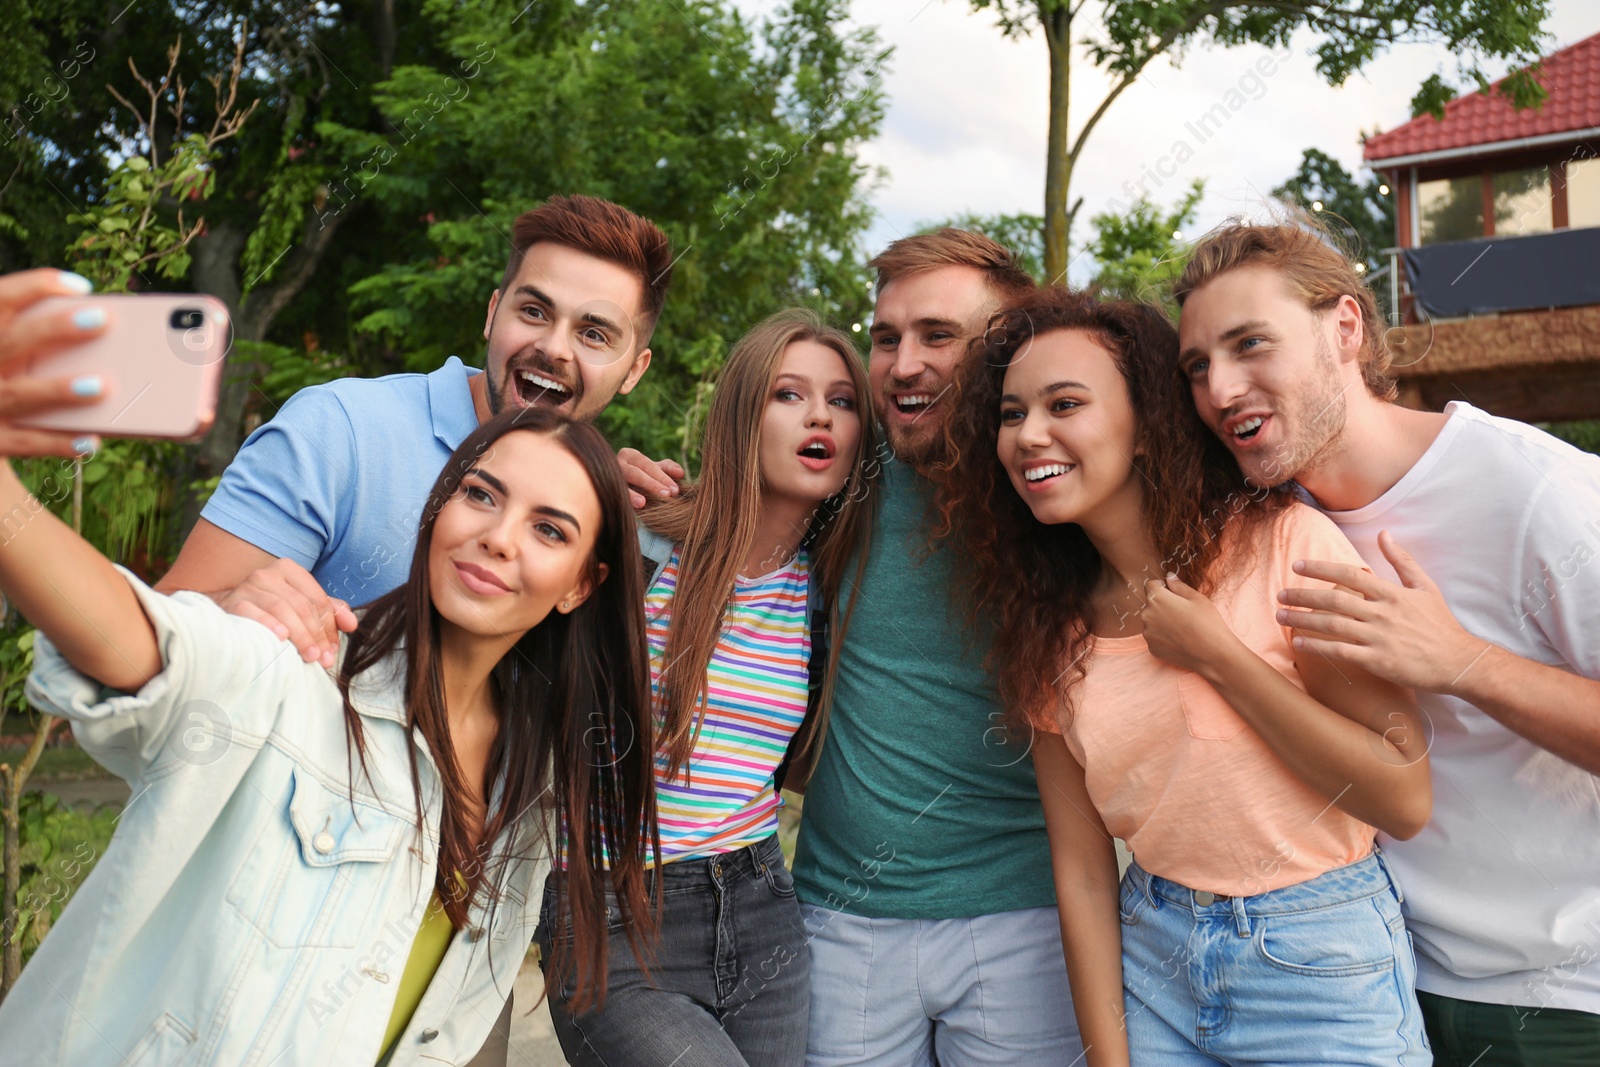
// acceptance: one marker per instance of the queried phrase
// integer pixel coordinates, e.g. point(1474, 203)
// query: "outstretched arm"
point(65, 588)
point(73, 594)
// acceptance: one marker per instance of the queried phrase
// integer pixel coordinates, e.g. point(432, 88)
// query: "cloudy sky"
point(966, 116)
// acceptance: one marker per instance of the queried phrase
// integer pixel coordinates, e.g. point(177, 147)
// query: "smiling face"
point(1270, 376)
point(566, 333)
point(920, 329)
point(516, 540)
point(811, 427)
point(1068, 433)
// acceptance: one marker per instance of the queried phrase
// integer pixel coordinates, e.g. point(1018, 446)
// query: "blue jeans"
point(1317, 973)
point(988, 990)
point(729, 984)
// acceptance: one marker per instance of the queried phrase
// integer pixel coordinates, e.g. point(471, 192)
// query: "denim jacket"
point(259, 898)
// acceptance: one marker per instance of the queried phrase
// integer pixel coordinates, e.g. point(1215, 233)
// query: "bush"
point(59, 848)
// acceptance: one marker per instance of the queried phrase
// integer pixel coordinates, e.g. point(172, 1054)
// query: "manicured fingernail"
point(89, 318)
point(1299, 566)
point(76, 282)
point(83, 445)
point(88, 385)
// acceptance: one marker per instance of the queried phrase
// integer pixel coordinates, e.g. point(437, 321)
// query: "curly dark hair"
point(1036, 581)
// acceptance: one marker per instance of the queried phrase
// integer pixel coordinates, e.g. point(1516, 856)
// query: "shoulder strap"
point(816, 672)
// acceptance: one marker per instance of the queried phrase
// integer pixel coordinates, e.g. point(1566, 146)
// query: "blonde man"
point(1478, 532)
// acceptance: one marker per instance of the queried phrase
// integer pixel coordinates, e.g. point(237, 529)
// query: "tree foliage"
point(738, 139)
point(1137, 254)
point(1360, 212)
point(356, 224)
point(1122, 37)
point(1141, 251)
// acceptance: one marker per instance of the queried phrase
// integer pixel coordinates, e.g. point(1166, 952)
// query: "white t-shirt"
point(1502, 889)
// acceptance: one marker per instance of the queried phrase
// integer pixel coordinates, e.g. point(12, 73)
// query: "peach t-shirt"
point(1178, 775)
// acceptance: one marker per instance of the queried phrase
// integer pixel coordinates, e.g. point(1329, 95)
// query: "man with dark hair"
point(922, 863)
point(319, 508)
point(1490, 527)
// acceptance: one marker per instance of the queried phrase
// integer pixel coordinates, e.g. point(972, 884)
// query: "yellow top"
point(427, 952)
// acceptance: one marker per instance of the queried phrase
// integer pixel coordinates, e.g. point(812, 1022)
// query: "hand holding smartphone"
point(158, 361)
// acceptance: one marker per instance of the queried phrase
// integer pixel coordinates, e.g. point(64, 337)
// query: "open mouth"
point(816, 453)
point(1246, 430)
point(1045, 474)
point(535, 388)
point(912, 404)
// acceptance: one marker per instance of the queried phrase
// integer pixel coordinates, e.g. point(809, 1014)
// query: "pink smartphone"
point(161, 359)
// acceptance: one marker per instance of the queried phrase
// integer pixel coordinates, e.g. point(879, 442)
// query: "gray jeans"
point(729, 984)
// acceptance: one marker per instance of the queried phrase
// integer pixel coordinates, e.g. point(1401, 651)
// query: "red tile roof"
point(1571, 77)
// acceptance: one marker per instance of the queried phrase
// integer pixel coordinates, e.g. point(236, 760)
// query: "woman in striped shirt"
point(745, 560)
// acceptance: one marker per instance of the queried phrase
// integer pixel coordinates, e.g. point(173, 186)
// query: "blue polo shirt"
point(338, 479)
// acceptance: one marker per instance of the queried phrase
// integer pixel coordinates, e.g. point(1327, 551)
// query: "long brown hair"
point(1037, 580)
point(573, 695)
point(714, 520)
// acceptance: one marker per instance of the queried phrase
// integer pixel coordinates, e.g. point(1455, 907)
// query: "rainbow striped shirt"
point(756, 689)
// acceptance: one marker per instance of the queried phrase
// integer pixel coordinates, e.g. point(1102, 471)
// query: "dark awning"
point(1546, 270)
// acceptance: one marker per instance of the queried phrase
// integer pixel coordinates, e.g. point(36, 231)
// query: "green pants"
point(1465, 1033)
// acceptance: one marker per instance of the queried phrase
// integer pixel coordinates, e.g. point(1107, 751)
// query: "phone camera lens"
point(188, 318)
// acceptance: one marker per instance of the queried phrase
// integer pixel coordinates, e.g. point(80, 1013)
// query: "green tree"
point(1140, 252)
point(1360, 212)
point(365, 169)
point(1122, 37)
point(1137, 254)
point(259, 249)
point(1023, 234)
point(739, 138)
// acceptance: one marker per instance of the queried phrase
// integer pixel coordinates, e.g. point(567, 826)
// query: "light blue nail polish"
point(89, 318)
point(88, 385)
point(83, 445)
point(76, 282)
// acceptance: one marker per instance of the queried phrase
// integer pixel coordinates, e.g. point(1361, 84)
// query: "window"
point(1583, 192)
point(1522, 202)
point(1451, 209)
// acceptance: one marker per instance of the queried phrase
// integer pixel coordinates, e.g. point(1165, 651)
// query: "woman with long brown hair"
point(337, 866)
point(747, 566)
point(1133, 575)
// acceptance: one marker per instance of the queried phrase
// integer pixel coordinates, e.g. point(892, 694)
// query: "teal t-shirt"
point(920, 806)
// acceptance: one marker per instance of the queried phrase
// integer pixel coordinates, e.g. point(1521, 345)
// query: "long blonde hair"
point(714, 520)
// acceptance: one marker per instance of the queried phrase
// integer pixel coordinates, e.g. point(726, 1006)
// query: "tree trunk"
point(1058, 162)
point(11, 963)
point(215, 270)
point(12, 779)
